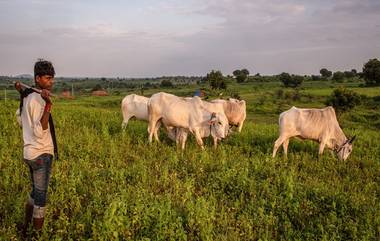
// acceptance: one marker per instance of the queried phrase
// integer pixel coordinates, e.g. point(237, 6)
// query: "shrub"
point(343, 99)
point(279, 93)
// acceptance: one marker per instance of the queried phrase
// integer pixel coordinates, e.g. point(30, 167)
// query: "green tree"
point(285, 78)
point(236, 72)
point(245, 71)
point(325, 73)
point(338, 76)
point(97, 87)
point(371, 72)
point(290, 80)
point(315, 77)
point(343, 99)
point(241, 75)
point(349, 74)
point(216, 80)
point(166, 83)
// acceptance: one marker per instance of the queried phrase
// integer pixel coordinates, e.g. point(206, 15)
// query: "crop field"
point(111, 184)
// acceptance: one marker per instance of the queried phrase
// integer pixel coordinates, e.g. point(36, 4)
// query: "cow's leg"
point(285, 145)
point(156, 129)
point(277, 144)
point(125, 121)
point(240, 126)
point(321, 147)
point(152, 128)
point(199, 139)
point(183, 139)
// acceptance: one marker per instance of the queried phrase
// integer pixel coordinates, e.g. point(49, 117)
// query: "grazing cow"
point(191, 114)
point(205, 131)
point(319, 125)
point(235, 111)
point(180, 134)
point(135, 106)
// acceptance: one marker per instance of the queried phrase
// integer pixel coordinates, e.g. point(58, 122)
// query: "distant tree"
point(97, 87)
point(147, 85)
point(236, 72)
point(285, 78)
point(245, 71)
point(349, 74)
point(216, 80)
point(325, 73)
point(241, 75)
point(315, 77)
point(296, 81)
point(290, 80)
point(371, 72)
point(338, 76)
point(343, 99)
point(166, 83)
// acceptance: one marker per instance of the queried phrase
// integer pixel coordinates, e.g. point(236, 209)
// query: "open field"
point(113, 185)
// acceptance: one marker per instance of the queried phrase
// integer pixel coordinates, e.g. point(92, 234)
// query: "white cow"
point(319, 125)
point(190, 114)
point(136, 106)
point(180, 134)
point(235, 111)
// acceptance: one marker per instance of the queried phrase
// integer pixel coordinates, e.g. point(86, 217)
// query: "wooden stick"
point(35, 89)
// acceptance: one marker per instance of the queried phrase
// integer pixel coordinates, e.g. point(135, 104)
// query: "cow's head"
point(218, 125)
point(345, 149)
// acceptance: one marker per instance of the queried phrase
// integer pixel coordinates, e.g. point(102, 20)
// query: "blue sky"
point(172, 37)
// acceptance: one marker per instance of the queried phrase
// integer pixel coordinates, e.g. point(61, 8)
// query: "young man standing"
point(39, 141)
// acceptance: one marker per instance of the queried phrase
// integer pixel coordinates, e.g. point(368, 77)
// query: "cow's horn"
point(352, 139)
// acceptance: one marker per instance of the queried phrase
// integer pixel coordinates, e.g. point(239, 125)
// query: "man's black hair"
point(43, 67)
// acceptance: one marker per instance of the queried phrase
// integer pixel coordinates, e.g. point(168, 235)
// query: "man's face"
point(45, 81)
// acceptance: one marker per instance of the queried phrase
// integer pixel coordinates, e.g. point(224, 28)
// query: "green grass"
point(113, 185)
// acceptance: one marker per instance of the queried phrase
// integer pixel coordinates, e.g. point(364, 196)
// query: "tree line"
point(370, 74)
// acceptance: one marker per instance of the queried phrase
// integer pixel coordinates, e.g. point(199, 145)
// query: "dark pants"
point(40, 169)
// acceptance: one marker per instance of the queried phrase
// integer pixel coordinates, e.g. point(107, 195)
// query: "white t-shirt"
point(36, 140)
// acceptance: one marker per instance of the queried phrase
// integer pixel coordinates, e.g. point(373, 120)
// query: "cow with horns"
point(320, 125)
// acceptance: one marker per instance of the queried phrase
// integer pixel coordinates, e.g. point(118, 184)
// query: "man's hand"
point(18, 86)
point(45, 94)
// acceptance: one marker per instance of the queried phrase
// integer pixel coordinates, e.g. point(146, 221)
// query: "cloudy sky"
point(143, 38)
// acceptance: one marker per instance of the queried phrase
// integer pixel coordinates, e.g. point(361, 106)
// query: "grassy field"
point(113, 185)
